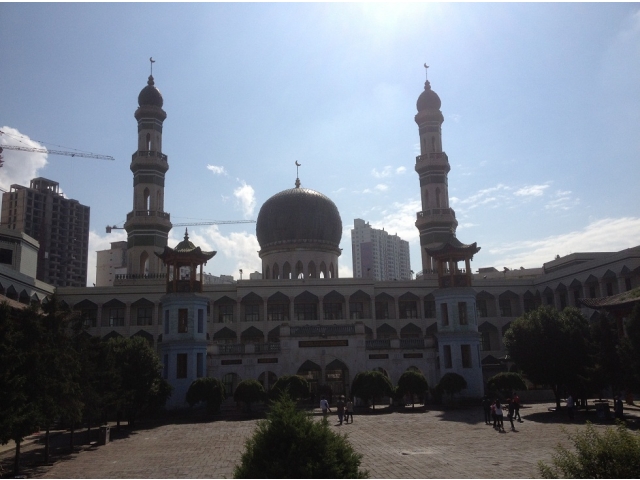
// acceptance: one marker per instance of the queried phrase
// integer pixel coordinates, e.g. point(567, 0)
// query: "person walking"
point(511, 408)
point(324, 406)
point(499, 416)
point(486, 407)
point(516, 403)
point(618, 407)
point(349, 410)
point(493, 415)
point(340, 408)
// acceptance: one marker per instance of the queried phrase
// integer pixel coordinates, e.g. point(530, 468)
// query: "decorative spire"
point(186, 235)
point(426, 72)
point(297, 175)
point(152, 61)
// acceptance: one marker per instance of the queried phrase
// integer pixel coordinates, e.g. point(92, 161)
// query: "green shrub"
point(249, 391)
point(412, 383)
point(296, 386)
point(370, 385)
point(290, 444)
point(451, 383)
point(615, 453)
point(208, 390)
point(506, 383)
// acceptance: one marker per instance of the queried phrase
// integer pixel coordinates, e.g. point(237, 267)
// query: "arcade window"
point(465, 352)
point(486, 341)
point(444, 311)
point(144, 316)
point(277, 312)
point(333, 311)
point(252, 313)
point(408, 309)
point(382, 310)
point(183, 319)
point(225, 313)
point(116, 317)
point(356, 310)
point(462, 313)
point(482, 308)
point(305, 311)
point(429, 309)
point(181, 365)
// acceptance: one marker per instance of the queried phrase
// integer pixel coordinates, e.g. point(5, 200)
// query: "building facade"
point(300, 318)
point(378, 255)
point(110, 263)
point(60, 225)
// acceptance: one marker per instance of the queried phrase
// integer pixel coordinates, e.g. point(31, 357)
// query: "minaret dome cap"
point(428, 100)
point(150, 95)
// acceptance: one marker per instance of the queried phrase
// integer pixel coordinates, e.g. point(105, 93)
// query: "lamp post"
point(240, 274)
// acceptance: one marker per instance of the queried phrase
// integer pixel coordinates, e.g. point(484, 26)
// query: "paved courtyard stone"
point(436, 443)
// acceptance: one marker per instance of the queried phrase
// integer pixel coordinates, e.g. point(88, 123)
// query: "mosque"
point(300, 318)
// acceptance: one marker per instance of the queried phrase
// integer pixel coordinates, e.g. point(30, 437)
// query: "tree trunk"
point(46, 445)
point(16, 460)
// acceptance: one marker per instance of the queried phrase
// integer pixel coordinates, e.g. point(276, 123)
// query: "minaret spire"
point(297, 174)
point(426, 72)
point(152, 61)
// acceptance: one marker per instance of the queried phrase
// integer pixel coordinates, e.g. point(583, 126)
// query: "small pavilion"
point(182, 266)
point(447, 254)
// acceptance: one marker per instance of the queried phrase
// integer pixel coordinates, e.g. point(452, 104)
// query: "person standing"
point(340, 408)
point(618, 407)
point(499, 416)
point(570, 407)
point(324, 406)
point(493, 415)
point(486, 406)
point(349, 410)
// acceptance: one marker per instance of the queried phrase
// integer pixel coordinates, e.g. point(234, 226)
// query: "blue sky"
point(541, 105)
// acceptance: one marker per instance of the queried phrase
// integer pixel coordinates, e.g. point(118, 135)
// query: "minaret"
point(436, 222)
point(148, 224)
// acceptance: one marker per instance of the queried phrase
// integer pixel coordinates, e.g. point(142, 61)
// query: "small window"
point(6, 256)
point(116, 317)
point(332, 311)
point(199, 366)
point(408, 309)
point(181, 365)
point(446, 349)
point(505, 307)
point(305, 311)
point(144, 316)
point(356, 310)
point(486, 341)
point(483, 312)
point(200, 320)
point(462, 313)
point(465, 352)
point(89, 317)
point(183, 320)
point(225, 313)
point(429, 309)
point(166, 321)
point(252, 313)
point(277, 312)
point(382, 310)
point(444, 311)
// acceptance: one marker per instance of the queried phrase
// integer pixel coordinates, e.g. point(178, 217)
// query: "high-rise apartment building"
point(110, 263)
point(60, 225)
point(378, 255)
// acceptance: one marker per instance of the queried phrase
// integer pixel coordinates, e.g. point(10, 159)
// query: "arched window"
point(146, 195)
point(286, 271)
point(433, 144)
point(276, 271)
point(266, 273)
point(331, 271)
point(299, 270)
point(323, 270)
point(148, 141)
point(437, 197)
point(144, 263)
point(312, 270)
point(159, 200)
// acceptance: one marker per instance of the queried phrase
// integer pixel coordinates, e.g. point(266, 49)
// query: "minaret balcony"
point(435, 215)
point(438, 157)
point(149, 213)
point(147, 154)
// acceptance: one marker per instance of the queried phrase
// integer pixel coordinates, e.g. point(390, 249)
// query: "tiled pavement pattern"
point(432, 444)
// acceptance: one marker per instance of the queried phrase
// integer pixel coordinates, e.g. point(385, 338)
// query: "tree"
point(412, 383)
point(290, 444)
point(249, 391)
point(295, 385)
point(370, 385)
point(208, 390)
point(615, 453)
point(506, 383)
point(606, 368)
point(629, 351)
point(451, 383)
point(141, 387)
point(550, 347)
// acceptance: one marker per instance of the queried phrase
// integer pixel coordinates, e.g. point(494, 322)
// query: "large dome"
point(150, 95)
point(428, 100)
point(299, 216)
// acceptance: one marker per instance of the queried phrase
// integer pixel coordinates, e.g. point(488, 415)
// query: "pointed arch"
point(146, 196)
point(312, 270)
point(331, 271)
point(323, 270)
point(267, 273)
point(286, 271)
point(144, 263)
point(299, 270)
point(276, 271)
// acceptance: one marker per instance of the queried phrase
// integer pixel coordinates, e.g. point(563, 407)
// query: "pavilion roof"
point(185, 251)
point(621, 301)
point(452, 248)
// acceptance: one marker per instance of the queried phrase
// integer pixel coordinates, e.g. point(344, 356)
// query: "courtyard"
point(436, 443)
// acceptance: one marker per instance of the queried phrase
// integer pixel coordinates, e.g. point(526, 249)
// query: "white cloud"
point(247, 198)
point(606, 235)
point(381, 187)
point(386, 171)
point(345, 271)
point(400, 218)
point(217, 170)
point(531, 191)
point(562, 201)
point(401, 170)
point(455, 117)
point(19, 167)
point(239, 247)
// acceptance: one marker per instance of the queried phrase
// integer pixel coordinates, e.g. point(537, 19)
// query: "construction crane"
point(50, 152)
point(193, 224)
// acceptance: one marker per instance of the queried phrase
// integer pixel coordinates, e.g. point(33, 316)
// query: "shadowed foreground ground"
point(442, 443)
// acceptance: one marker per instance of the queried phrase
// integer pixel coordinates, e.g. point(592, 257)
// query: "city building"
point(298, 317)
point(59, 224)
point(110, 263)
point(18, 265)
point(378, 255)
